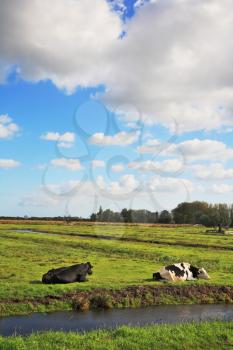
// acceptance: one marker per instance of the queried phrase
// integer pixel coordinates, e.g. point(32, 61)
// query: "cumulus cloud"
point(65, 140)
point(151, 146)
point(67, 163)
point(8, 129)
point(191, 150)
point(9, 163)
point(76, 55)
point(161, 66)
point(121, 139)
point(222, 188)
point(215, 171)
point(166, 166)
point(123, 187)
point(171, 81)
point(202, 150)
point(169, 184)
point(129, 184)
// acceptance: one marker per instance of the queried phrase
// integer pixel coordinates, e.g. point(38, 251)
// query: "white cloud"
point(37, 200)
point(70, 164)
point(121, 139)
point(9, 163)
point(129, 184)
point(118, 168)
point(56, 136)
point(171, 81)
point(70, 46)
point(65, 140)
point(215, 171)
point(166, 166)
point(169, 184)
point(69, 188)
point(126, 185)
point(192, 150)
point(98, 163)
point(174, 64)
point(202, 150)
point(222, 189)
point(7, 128)
point(128, 191)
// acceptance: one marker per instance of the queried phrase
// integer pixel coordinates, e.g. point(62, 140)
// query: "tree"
point(205, 220)
point(93, 217)
point(224, 215)
point(165, 217)
point(126, 215)
point(156, 217)
point(100, 214)
point(190, 213)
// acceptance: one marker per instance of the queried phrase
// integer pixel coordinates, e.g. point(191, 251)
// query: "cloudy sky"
point(119, 103)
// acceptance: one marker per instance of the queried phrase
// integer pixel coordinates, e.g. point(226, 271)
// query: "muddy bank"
point(133, 296)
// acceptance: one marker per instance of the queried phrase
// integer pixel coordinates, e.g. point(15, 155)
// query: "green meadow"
point(214, 336)
point(129, 259)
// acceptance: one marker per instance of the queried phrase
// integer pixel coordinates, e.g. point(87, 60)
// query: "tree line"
point(193, 213)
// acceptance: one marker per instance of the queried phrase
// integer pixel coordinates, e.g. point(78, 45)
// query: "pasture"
point(124, 256)
point(202, 336)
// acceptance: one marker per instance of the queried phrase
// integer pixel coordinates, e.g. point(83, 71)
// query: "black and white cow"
point(180, 272)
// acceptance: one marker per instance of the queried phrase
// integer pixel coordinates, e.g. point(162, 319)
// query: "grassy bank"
point(118, 265)
point(163, 337)
point(128, 297)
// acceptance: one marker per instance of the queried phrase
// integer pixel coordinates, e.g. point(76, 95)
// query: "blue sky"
point(90, 118)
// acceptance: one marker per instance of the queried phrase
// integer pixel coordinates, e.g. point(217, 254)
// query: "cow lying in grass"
point(74, 273)
point(180, 272)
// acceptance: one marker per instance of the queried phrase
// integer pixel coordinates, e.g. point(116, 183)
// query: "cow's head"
point(202, 273)
point(89, 267)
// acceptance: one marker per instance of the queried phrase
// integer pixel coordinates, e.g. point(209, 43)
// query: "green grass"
point(178, 235)
point(117, 264)
point(213, 336)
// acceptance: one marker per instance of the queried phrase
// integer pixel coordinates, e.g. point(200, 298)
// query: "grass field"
point(214, 336)
point(127, 260)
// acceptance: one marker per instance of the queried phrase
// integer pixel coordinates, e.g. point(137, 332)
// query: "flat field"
point(124, 258)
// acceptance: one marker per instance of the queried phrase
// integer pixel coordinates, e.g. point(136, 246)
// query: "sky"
point(114, 103)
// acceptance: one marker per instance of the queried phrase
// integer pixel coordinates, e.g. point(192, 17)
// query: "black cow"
point(70, 274)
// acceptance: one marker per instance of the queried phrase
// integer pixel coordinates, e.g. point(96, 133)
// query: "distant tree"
point(93, 217)
point(126, 215)
point(108, 215)
point(224, 215)
point(204, 220)
point(165, 217)
point(231, 216)
point(156, 217)
point(189, 213)
point(99, 215)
